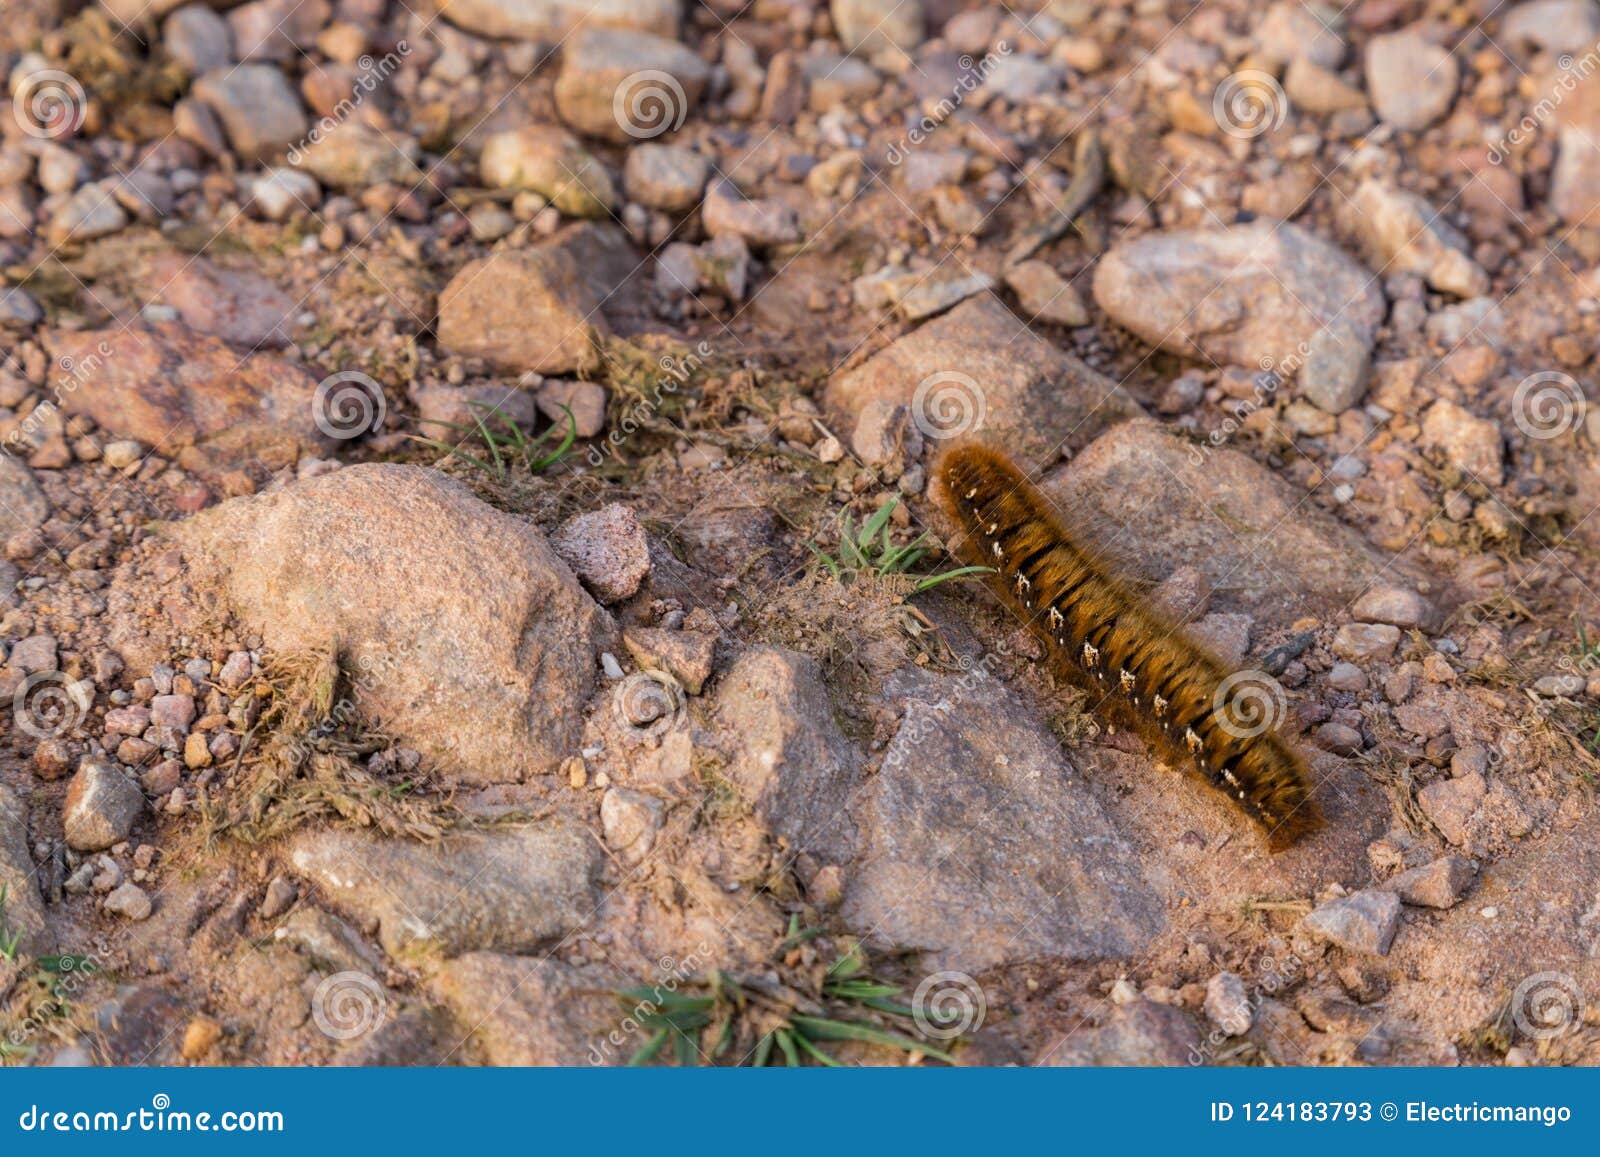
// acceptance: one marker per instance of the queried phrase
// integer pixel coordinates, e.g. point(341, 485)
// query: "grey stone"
point(198, 39)
point(129, 901)
point(1395, 605)
point(1297, 30)
point(1468, 441)
point(550, 162)
point(1142, 1033)
point(1152, 503)
point(1228, 1004)
point(630, 820)
point(25, 915)
point(1334, 377)
point(280, 193)
point(759, 223)
point(551, 21)
point(585, 401)
point(1450, 804)
point(1045, 295)
point(259, 111)
point(978, 372)
point(352, 155)
point(1365, 642)
point(33, 654)
point(1412, 81)
point(1436, 885)
point(481, 668)
point(101, 806)
point(1365, 922)
point(1555, 26)
point(1248, 295)
point(327, 941)
point(666, 177)
point(871, 26)
point(23, 505)
point(524, 309)
point(981, 845)
point(511, 889)
point(90, 212)
point(523, 1011)
point(685, 655)
point(1402, 233)
point(623, 85)
point(792, 765)
point(607, 550)
point(18, 308)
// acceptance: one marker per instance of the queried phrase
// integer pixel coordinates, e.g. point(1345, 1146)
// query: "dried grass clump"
point(305, 760)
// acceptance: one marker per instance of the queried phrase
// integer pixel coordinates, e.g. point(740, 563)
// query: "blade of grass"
point(647, 1051)
point(822, 1057)
point(821, 1028)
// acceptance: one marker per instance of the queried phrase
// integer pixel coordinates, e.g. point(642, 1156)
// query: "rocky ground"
point(437, 617)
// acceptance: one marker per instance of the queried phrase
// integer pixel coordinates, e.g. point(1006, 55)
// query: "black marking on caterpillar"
point(1100, 634)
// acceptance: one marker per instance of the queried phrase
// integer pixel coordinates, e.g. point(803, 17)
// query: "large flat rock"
point(1152, 503)
point(528, 1011)
point(793, 766)
point(978, 372)
point(473, 641)
point(982, 846)
point(172, 388)
point(1265, 294)
point(512, 889)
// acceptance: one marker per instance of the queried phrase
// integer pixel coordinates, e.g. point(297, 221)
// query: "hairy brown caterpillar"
point(1102, 635)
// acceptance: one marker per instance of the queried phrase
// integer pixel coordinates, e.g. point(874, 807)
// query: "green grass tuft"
point(871, 550)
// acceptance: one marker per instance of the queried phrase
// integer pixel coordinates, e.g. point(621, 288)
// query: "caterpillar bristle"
point(1100, 634)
